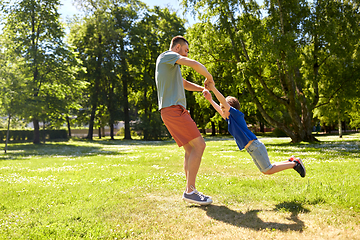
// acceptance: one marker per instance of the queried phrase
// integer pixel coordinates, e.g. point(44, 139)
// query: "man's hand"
point(209, 84)
point(207, 94)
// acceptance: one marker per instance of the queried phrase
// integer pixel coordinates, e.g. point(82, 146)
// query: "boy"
point(229, 109)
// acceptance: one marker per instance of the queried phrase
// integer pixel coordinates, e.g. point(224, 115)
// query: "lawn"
point(132, 190)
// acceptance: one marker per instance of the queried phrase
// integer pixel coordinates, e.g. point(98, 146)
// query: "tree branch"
point(331, 96)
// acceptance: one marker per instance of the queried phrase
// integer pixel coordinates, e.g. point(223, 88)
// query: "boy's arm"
point(208, 97)
point(219, 97)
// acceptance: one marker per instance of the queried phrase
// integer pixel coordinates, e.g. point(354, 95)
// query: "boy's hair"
point(178, 39)
point(232, 101)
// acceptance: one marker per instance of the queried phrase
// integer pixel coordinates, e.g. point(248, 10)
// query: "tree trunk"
point(126, 110)
point(262, 127)
point(36, 131)
point(7, 133)
point(213, 129)
point(96, 89)
point(68, 125)
point(112, 131)
point(91, 123)
point(44, 133)
point(339, 118)
point(340, 128)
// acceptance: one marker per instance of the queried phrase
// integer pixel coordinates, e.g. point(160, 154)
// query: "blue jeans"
point(258, 152)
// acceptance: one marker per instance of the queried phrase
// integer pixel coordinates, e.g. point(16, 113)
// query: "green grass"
point(132, 189)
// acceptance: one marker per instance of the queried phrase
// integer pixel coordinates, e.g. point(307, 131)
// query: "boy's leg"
point(258, 152)
point(280, 166)
point(193, 154)
point(293, 162)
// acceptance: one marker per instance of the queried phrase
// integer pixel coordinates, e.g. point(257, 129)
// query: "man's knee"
point(200, 143)
point(197, 144)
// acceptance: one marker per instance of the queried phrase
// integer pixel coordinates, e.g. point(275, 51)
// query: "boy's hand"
point(207, 94)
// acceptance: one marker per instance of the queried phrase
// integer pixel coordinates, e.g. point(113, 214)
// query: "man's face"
point(184, 50)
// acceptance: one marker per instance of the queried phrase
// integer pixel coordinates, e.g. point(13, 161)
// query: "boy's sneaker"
point(292, 158)
point(299, 167)
point(197, 197)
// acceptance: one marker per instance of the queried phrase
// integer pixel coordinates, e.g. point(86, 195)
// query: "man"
point(172, 104)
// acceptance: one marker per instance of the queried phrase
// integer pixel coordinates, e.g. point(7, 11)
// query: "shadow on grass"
point(250, 219)
point(20, 151)
point(23, 151)
point(132, 142)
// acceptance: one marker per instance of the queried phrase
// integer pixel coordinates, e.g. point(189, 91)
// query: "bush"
point(121, 133)
point(152, 127)
point(279, 133)
point(28, 135)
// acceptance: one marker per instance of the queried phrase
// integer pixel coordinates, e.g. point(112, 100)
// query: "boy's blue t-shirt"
point(238, 129)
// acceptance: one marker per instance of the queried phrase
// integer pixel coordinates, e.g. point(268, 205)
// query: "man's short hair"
point(178, 40)
point(232, 101)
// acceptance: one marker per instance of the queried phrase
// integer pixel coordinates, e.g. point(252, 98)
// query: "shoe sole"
point(302, 166)
point(200, 203)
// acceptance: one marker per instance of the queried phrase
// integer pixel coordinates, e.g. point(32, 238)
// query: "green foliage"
point(289, 61)
point(117, 45)
point(149, 37)
point(33, 37)
point(355, 114)
point(151, 127)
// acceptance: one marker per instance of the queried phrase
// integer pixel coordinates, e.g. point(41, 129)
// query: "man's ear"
point(177, 47)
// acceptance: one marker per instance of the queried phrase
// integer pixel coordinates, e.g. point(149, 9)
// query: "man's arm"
point(192, 86)
point(198, 67)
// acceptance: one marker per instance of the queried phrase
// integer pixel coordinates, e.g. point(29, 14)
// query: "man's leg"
point(193, 154)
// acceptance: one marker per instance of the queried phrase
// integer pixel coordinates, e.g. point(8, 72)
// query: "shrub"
point(279, 133)
point(28, 135)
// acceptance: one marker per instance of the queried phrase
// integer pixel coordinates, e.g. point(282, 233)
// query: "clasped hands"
point(208, 84)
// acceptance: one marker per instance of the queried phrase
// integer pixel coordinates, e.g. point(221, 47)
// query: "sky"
point(68, 9)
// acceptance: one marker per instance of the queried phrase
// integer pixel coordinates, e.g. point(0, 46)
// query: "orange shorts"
point(180, 124)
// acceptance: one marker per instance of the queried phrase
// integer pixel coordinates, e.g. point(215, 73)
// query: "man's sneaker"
point(197, 197)
point(292, 158)
point(299, 167)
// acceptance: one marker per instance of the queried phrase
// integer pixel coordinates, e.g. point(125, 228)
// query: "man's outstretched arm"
point(192, 86)
point(198, 67)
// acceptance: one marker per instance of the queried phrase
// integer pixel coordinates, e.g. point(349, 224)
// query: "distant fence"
point(81, 133)
point(28, 135)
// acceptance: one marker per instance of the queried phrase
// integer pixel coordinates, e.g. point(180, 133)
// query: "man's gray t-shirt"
point(169, 82)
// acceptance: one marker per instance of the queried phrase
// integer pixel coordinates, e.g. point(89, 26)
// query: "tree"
point(36, 34)
point(149, 37)
point(341, 89)
point(102, 41)
point(278, 58)
point(11, 83)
